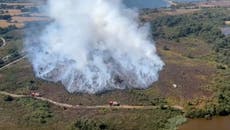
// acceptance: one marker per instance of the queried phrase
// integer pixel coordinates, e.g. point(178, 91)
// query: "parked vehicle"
point(114, 103)
point(35, 94)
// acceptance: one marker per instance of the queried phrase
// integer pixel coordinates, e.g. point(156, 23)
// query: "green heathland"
point(206, 26)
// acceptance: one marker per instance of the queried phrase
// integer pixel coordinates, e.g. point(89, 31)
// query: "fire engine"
point(114, 103)
point(35, 94)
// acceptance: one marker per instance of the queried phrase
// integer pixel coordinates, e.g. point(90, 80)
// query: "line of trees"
point(8, 29)
point(5, 17)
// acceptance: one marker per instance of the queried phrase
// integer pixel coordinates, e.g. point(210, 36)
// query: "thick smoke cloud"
point(94, 46)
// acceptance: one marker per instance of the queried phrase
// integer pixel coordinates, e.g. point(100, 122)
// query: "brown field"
point(28, 19)
point(191, 75)
point(210, 4)
point(13, 12)
point(151, 15)
point(37, 15)
point(181, 11)
point(23, 4)
point(18, 20)
point(4, 24)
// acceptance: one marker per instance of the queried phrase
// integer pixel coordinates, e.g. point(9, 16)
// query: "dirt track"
point(85, 107)
point(13, 62)
point(77, 106)
point(3, 41)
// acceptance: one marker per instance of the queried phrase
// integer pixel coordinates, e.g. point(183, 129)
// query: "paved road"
point(85, 107)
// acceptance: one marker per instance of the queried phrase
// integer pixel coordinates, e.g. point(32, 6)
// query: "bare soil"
point(5, 24)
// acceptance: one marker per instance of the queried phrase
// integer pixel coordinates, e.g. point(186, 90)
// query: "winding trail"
point(86, 107)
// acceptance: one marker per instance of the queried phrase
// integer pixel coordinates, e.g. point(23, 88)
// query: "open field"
point(4, 24)
point(211, 4)
point(20, 13)
point(28, 19)
point(13, 12)
point(23, 4)
point(181, 11)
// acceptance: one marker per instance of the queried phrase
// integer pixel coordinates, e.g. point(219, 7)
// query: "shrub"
point(166, 48)
point(8, 98)
point(1, 62)
point(38, 111)
point(221, 67)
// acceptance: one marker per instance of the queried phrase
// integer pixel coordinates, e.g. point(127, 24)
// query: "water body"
point(146, 3)
point(217, 123)
point(152, 3)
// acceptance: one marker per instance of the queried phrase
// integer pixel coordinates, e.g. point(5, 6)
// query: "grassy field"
point(209, 48)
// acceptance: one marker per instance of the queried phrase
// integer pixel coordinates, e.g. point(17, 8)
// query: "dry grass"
point(13, 12)
point(22, 4)
point(5, 24)
point(190, 75)
point(211, 4)
point(21, 19)
point(181, 11)
point(151, 15)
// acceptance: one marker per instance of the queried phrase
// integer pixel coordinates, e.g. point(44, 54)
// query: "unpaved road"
point(13, 62)
point(3, 41)
point(86, 107)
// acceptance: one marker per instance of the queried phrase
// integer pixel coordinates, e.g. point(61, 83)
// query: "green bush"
point(174, 122)
point(86, 124)
point(204, 25)
point(1, 62)
point(38, 111)
point(8, 98)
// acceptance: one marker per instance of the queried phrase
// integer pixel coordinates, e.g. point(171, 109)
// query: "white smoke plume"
point(93, 46)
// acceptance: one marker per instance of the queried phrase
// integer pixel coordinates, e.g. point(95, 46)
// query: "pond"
point(152, 3)
point(217, 123)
